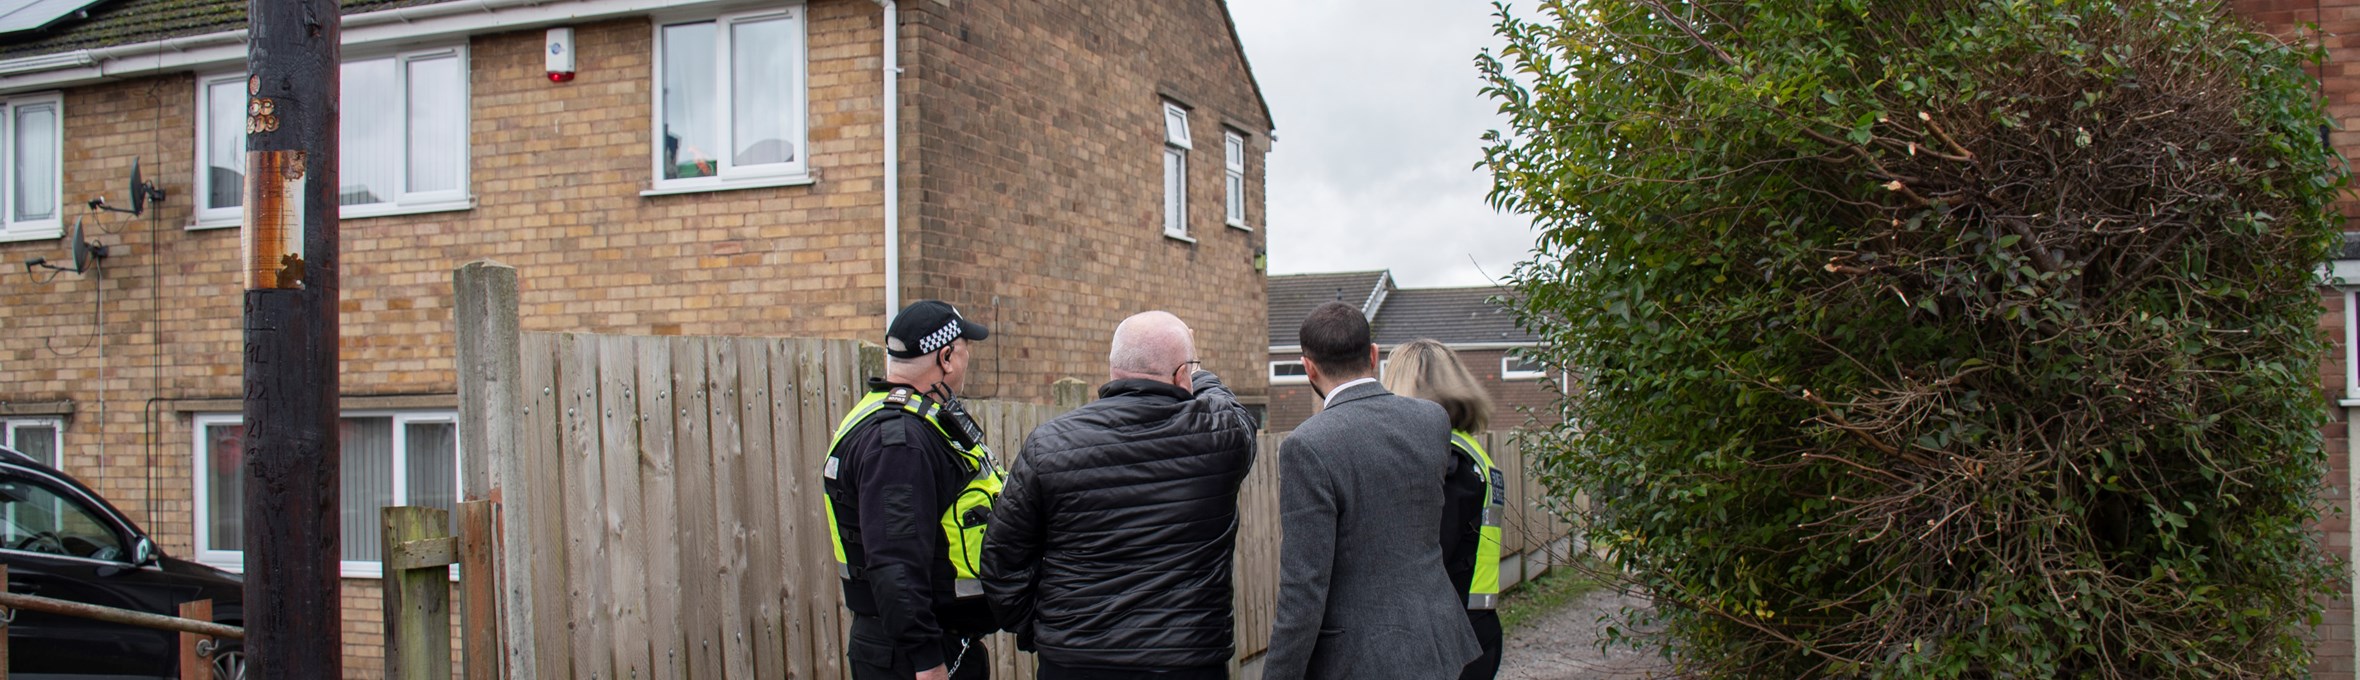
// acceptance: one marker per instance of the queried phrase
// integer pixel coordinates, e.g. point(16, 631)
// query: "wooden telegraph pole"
point(293, 618)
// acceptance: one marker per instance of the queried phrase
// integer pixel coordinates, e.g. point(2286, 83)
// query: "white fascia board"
point(361, 32)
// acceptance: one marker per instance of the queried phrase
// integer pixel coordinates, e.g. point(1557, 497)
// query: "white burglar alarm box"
point(560, 53)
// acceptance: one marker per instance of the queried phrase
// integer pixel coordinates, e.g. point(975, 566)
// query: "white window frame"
point(235, 560)
point(1233, 178)
point(2351, 348)
point(1276, 379)
point(1509, 372)
point(404, 201)
point(12, 229)
point(10, 426)
point(1177, 144)
point(728, 175)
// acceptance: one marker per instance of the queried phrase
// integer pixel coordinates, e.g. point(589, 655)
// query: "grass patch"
point(1535, 599)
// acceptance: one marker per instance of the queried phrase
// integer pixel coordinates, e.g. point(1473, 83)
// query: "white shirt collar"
point(1331, 397)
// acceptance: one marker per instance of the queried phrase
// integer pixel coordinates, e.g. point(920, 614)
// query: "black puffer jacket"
point(1110, 546)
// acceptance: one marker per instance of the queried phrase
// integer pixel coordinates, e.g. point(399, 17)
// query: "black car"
point(60, 540)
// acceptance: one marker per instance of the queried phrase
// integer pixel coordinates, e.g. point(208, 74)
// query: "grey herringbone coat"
point(1362, 593)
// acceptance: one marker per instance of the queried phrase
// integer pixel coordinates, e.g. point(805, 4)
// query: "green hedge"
point(1933, 339)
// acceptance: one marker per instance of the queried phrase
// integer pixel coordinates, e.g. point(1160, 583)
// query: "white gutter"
point(892, 77)
point(393, 26)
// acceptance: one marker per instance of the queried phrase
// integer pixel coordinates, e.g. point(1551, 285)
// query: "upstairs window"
point(1233, 177)
point(730, 102)
point(1514, 367)
point(1176, 146)
point(29, 167)
point(402, 137)
point(1288, 372)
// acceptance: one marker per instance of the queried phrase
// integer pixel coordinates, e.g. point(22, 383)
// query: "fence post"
point(1069, 393)
point(479, 598)
point(418, 552)
point(194, 666)
point(491, 402)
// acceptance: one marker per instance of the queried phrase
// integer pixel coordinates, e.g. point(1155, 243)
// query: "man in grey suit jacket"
point(1361, 591)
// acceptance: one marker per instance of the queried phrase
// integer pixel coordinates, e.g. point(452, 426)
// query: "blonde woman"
point(1473, 497)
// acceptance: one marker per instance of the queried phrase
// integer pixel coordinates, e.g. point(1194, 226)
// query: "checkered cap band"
point(937, 339)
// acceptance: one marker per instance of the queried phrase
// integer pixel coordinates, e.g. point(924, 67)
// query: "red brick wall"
point(1516, 404)
point(2333, 642)
point(1038, 187)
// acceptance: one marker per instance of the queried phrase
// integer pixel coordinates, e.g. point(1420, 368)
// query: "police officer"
point(909, 486)
point(1474, 491)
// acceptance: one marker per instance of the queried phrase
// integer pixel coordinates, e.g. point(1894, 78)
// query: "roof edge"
point(1248, 64)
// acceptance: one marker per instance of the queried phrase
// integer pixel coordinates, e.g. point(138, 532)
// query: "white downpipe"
point(892, 77)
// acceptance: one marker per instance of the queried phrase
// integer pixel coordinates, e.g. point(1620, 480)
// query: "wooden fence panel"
point(683, 533)
point(623, 508)
point(659, 547)
point(698, 524)
point(585, 565)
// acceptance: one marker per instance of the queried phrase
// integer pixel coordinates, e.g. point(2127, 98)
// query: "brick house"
point(1484, 335)
point(1049, 166)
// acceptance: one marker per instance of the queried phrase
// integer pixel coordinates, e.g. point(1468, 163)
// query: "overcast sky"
point(1379, 123)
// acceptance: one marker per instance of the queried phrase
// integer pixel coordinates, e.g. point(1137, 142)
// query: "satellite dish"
point(138, 193)
point(141, 193)
point(86, 256)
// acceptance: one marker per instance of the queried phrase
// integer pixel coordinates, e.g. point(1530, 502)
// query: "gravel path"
point(1564, 645)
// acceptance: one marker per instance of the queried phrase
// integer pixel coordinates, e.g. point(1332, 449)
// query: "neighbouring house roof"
point(112, 23)
point(1292, 297)
point(1454, 316)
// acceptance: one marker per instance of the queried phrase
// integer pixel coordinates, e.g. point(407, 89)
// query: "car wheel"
point(229, 662)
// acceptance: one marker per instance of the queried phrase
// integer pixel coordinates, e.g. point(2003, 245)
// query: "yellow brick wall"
point(556, 176)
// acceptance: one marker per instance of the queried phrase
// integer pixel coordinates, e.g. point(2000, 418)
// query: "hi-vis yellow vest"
point(963, 522)
point(1484, 591)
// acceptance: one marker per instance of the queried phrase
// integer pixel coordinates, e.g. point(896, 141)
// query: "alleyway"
point(1564, 645)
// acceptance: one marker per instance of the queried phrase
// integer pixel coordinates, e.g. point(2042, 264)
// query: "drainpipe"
point(892, 77)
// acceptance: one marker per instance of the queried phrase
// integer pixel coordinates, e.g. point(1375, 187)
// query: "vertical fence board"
point(757, 499)
point(540, 499)
point(729, 466)
point(592, 619)
point(621, 513)
point(824, 610)
point(479, 595)
point(700, 557)
point(417, 603)
point(795, 485)
point(660, 547)
point(192, 666)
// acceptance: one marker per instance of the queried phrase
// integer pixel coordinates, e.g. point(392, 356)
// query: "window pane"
point(1175, 125)
point(1235, 152)
point(1236, 185)
point(225, 486)
point(366, 473)
point(430, 463)
point(1175, 191)
point(692, 129)
point(39, 519)
point(371, 159)
point(36, 162)
point(434, 123)
point(1284, 369)
point(38, 441)
point(225, 143)
point(762, 91)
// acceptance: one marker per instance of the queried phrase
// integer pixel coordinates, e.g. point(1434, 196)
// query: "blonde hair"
point(1427, 370)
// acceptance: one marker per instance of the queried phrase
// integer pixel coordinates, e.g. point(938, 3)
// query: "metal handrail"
point(123, 616)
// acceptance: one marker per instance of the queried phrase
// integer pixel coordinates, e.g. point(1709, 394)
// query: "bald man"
point(1109, 550)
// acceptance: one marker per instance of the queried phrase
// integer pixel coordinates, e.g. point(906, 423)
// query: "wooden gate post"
point(418, 555)
point(491, 404)
point(194, 666)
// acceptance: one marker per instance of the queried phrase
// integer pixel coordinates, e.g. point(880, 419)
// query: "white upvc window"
point(41, 438)
point(1176, 146)
point(402, 138)
point(730, 103)
point(2351, 347)
point(1289, 372)
point(388, 458)
point(1513, 367)
point(30, 165)
point(1233, 177)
